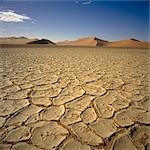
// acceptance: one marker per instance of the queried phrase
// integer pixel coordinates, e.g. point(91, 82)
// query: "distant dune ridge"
point(42, 41)
point(15, 40)
point(87, 41)
point(129, 43)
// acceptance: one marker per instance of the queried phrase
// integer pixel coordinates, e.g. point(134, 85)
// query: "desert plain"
point(74, 98)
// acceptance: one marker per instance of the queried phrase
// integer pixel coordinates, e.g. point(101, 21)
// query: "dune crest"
point(129, 43)
point(15, 40)
point(87, 41)
point(42, 41)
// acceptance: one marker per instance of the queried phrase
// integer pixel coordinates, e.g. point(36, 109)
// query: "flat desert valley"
point(74, 98)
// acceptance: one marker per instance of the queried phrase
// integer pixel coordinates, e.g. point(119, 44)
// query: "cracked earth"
point(72, 98)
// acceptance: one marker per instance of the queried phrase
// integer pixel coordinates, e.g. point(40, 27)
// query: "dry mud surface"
point(73, 98)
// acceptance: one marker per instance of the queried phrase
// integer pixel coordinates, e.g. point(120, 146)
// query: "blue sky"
point(62, 20)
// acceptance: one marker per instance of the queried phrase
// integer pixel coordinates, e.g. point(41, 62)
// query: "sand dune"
point(88, 41)
point(93, 41)
point(15, 40)
point(42, 41)
point(129, 43)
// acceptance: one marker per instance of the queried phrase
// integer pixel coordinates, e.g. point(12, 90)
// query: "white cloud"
point(11, 16)
point(87, 2)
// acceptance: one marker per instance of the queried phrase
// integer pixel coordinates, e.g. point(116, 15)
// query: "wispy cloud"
point(87, 2)
point(22, 28)
point(84, 2)
point(3, 29)
point(11, 16)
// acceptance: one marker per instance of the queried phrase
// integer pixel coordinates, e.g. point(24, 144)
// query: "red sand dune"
point(129, 43)
point(88, 41)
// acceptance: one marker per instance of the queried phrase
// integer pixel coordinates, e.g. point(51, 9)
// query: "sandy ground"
point(73, 98)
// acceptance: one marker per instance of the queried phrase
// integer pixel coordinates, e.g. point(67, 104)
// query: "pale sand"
point(73, 98)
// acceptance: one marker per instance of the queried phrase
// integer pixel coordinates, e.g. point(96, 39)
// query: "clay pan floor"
point(74, 98)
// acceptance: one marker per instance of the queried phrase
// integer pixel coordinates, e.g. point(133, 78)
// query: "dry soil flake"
point(5, 83)
point(54, 91)
point(89, 78)
point(5, 146)
point(80, 104)
point(53, 113)
point(104, 110)
point(24, 146)
point(120, 103)
point(85, 134)
point(123, 119)
point(94, 89)
point(2, 121)
point(89, 115)
point(49, 136)
point(19, 94)
point(140, 136)
point(10, 89)
point(18, 134)
point(43, 101)
point(70, 117)
point(33, 119)
point(8, 107)
point(73, 144)
point(23, 115)
point(69, 94)
point(113, 83)
point(123, 142)
point(104, 127)
point(131, 115)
